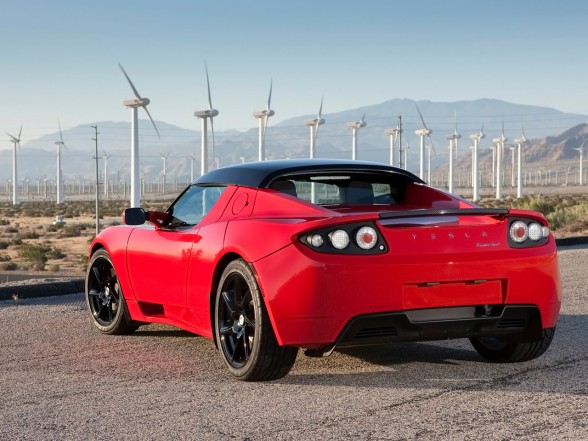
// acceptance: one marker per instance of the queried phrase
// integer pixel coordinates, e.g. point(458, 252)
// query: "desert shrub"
point(5, 258)
point(4, 222)
point(16, 241)
point(55, 253)
point(8, 266)
point(559, 218)
point(11, 230)
point(29, 235)
point(4, 244)
point(36, 255)
point(53, 268)
point(71, 231)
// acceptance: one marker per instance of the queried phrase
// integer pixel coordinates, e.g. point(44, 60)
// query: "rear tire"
point(499, 351)
point(243, 331)
point(104, 297)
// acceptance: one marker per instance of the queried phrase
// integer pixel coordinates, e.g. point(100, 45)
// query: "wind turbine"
point(452, 138)
point(134, 105)
point(581, 150)
point(15, 140)
point(60, 144)
point(204, 115)
point(422, 133)
point(164, 159)
point(314, 127)
point(499, 146)
point(262, 116)
point(355, 126)
point(476, 138)
point(105, 157)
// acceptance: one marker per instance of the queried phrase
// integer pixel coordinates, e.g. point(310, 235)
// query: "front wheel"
point(496, 350)
point(104, 297)
point(243, 331)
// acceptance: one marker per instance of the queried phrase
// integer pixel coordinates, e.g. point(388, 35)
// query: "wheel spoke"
point(229, 301)
point(226, 330)
point(246, 349)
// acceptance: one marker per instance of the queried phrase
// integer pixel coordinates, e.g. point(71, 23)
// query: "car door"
point(158, 257)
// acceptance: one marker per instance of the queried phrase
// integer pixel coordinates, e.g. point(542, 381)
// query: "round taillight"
point(339, 239)
point(519, 232)
point(366, 238)
point(535, 232)
point(545, 231)
point(315, 240)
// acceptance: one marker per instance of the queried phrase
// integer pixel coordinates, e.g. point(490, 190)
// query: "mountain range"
point(552, 136)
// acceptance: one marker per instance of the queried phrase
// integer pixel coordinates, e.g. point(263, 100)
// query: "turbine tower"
point(422, 133)
point(355, 126)
point(477, 139)
point(499, 147)
point(581, 150)
point(314, 127)
point(519, 147)
point(106, 188)
point(262, 116)
point(134, 105)
point(204, 115)
point(164, 159)
point(452, 138)
point(59, 181)
point(15, 140)
point(393, 134)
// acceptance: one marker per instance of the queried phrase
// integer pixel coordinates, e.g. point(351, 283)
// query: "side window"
point(194, 205)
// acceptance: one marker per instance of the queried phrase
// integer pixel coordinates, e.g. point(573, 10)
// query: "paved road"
point(60, 379)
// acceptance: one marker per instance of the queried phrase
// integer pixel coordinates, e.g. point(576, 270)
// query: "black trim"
point(445, 212)
point(261, 174)
point(514, 322)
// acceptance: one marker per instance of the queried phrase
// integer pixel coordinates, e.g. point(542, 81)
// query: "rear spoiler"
point(445, 212)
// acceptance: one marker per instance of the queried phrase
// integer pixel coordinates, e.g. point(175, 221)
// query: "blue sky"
point(60, 57)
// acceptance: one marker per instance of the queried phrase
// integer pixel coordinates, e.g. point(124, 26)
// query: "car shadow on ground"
point(454, 365)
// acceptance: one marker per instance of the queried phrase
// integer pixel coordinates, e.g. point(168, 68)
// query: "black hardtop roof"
point(262, 174)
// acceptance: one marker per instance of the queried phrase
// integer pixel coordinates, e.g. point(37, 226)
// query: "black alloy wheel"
point(104, 297)
point(243, 330)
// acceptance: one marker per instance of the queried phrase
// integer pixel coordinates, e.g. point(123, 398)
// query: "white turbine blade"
point(19, 133)
point(208, 85)
point(432, 145)
point(320, 109)
point(316, 132)
point(482, 129)
point(269, 99)
point(362, 118)
point(421, 115)
point(12, 137)
point(152, 122)
point(60, 134)
point(130, 82)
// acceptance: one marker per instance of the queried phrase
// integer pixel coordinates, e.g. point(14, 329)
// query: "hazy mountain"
point(548, 131)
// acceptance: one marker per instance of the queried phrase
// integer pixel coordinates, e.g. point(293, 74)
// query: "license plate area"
point(444, 294)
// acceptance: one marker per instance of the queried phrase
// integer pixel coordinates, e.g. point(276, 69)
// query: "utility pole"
point(97, 181)
point(400, 163)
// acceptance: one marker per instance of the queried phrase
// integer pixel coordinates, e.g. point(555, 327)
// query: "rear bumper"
point(518, 323)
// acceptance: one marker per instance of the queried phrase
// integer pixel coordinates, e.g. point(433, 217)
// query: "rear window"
point(344, 189)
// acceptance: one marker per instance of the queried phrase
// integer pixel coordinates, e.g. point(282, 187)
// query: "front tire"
point(104, 297)
point(243, 331)
point(499, 351)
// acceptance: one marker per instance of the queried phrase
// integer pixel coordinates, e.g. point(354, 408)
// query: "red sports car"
point(269, 257)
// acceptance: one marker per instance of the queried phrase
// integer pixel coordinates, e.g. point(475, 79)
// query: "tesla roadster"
point(270, 257)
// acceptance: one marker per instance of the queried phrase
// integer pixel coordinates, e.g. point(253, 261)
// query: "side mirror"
point(134, 216)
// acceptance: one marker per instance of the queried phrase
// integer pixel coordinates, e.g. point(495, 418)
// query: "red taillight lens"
point(366, 238)
point(519, 232)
